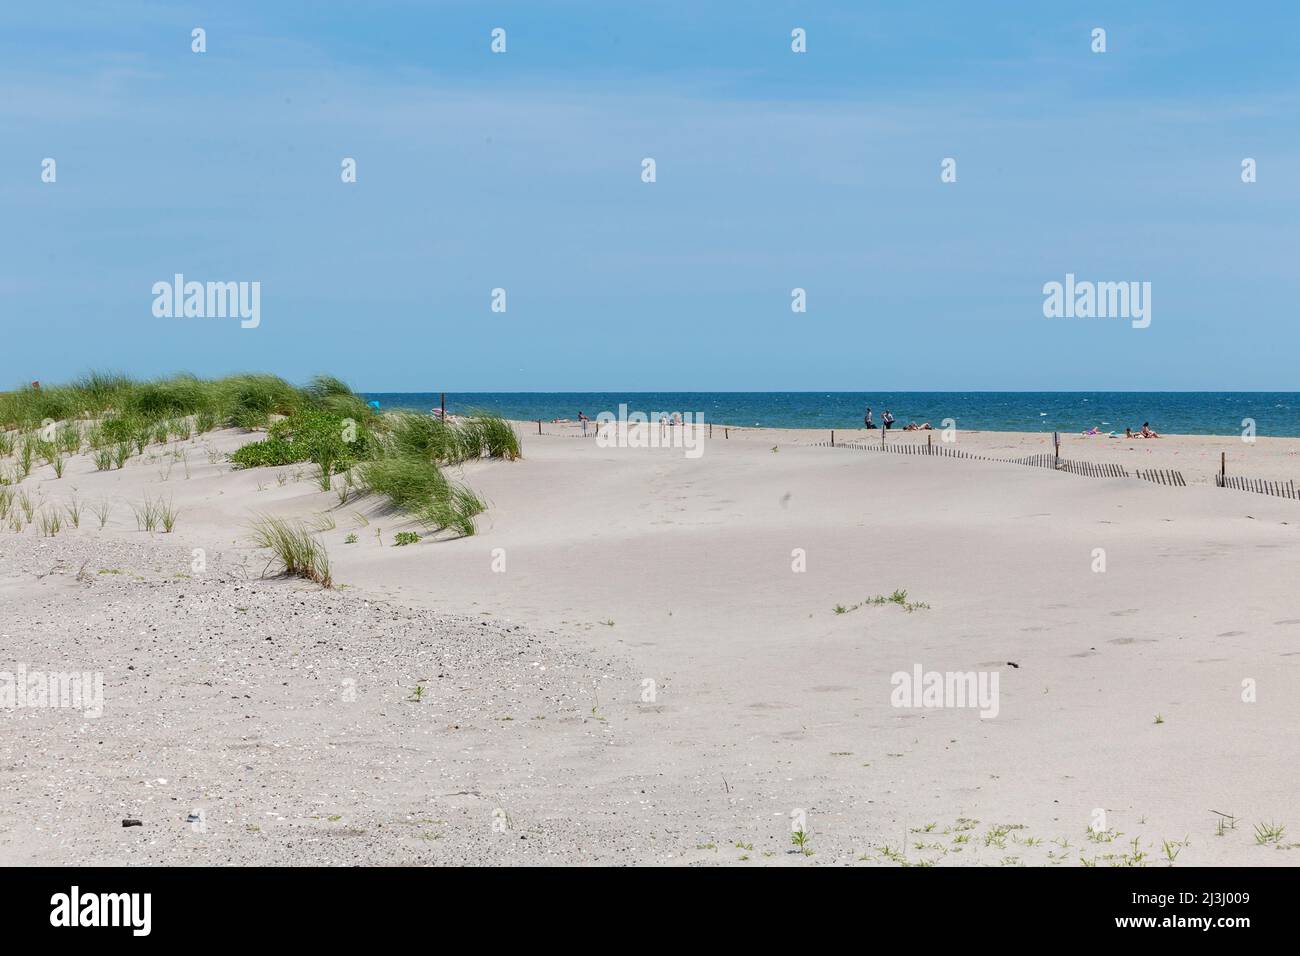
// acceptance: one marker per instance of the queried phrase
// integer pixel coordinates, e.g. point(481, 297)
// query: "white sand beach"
point(624, 665)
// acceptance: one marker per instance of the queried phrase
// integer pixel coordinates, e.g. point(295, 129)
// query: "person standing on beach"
point(888, 420)
point(866, 419)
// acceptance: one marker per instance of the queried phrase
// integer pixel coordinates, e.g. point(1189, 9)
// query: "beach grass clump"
point(419, 488)
point(334, 443)
point(452, 443)
point(293, 548)
point(50, 522)
point(68, 438)
point(101, 510)
point(324, 422)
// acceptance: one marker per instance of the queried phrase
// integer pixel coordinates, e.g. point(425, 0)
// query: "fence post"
point(929, 444)
point(1223, 464)
point(726, 433)
point(1056, 443)
point(832, 438)
point(539, 426)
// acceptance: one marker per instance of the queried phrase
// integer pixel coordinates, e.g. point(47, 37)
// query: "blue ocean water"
point(1189, 413)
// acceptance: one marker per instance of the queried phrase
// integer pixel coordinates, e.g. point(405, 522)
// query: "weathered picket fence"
point(1086, 469)
point(1279, 489)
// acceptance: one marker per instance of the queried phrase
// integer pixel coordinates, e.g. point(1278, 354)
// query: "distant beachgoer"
point(914, 427)
point(1147, 432)
point(888, 420)
point(677, 418)
point(1128, 433)
point(866, 419)
point(584, 419)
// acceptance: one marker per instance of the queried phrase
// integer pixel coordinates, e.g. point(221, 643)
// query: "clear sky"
point(775, 170)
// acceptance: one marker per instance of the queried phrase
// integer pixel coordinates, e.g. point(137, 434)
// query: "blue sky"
point(775, 170)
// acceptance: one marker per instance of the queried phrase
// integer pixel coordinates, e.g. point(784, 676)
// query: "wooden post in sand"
point(832, 438)
point(1056, 443)
point(1223, 464)
point(929, 444)
point(539, 426)
point(444, 405)
point(883, 429)
point(726, 433)
point(710, 429)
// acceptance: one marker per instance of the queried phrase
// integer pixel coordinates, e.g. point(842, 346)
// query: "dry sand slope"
point(541, 742)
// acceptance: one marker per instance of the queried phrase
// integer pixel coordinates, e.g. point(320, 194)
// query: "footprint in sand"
point(1288, 621)
point(1125, 612)
point(1230, 634)
point(1132, 640)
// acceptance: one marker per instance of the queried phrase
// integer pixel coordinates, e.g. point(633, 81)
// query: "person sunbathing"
point(1147, 432)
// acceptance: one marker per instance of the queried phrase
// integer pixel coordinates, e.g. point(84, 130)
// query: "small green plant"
point(1225, 823)
point(121, 452)
point(405, 537)
point(100, 509)
point(50, 523)
point(167, 515)
point(147, 515)
point(103, 460)
point(899, 597)
point(57, 463)
point(1266, 833)
point(73, 508)
point(799, 838)
point(417, 694)
point(1159, 719)
point(1173, 847)
point(350, 539)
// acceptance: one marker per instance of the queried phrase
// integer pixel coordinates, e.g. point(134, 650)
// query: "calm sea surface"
point(1195, 413)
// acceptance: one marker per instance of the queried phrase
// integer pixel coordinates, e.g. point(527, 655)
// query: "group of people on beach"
point(887, 422)
point(1146, 432)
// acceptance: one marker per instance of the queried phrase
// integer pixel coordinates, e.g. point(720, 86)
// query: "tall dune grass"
point(293, 549)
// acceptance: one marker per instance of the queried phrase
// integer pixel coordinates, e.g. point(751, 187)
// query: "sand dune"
point(625, 566)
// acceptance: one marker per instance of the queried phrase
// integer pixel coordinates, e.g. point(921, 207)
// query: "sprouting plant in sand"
point(1159, 719)
point(899, 597)
point(100, 509)
point(417, 694)
point(167, 515)
point(50, 522)
point(1266, 833)
point(73, 509)
point(1225, 822)
point(1173, 847)
point(103, 460)
point(799, 838)
point(350, 539)
point(405, 537)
